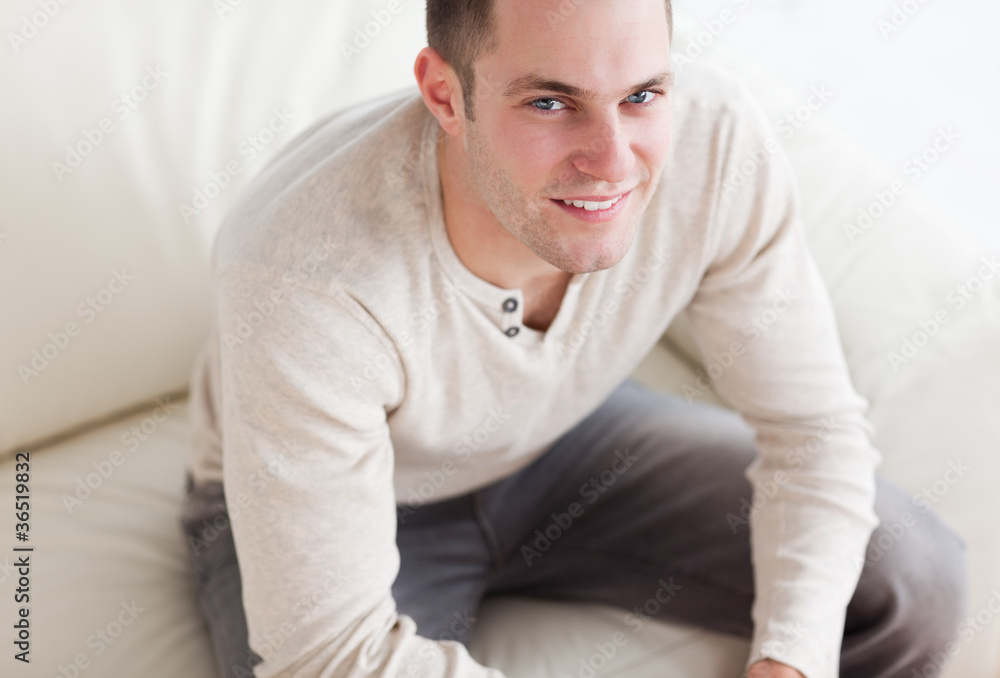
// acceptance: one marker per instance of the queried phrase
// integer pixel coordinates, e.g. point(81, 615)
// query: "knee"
point(913, 585)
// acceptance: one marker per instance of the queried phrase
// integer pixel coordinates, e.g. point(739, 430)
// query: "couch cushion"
point(111, 586)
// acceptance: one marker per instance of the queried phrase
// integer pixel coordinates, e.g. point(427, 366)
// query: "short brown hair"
point(463, 30)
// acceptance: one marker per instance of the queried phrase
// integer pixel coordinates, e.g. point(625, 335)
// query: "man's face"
point(590, 121)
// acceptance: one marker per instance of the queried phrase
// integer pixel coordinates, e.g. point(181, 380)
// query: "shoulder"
point(707, 97)
point(328, 191)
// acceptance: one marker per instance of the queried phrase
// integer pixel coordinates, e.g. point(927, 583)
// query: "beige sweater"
point(356, 363)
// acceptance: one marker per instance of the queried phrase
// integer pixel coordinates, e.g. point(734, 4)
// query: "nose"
point(605, 152)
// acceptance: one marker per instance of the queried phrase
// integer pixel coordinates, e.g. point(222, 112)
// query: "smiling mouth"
point(593, 205)
point(594, 209)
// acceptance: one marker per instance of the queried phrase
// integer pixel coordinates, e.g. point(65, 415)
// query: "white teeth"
point(592, 206)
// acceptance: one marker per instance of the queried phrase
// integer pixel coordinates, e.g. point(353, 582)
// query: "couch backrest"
point(127, 130)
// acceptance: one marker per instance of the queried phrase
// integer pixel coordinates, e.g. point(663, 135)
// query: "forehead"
point(594, 44)
point(556, 15)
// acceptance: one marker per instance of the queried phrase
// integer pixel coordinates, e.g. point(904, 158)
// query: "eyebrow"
point(536, 83)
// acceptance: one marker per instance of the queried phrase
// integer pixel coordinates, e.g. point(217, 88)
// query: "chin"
point(600, 255)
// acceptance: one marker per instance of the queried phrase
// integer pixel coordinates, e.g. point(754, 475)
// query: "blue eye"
point(547, 104)
point(645, 95)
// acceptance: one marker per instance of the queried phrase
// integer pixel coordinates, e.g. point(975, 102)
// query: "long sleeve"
point(308, 468)
point(765, 327)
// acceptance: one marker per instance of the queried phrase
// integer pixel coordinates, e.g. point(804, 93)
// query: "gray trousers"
point(658, 482)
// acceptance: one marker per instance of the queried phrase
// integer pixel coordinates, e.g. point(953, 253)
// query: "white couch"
point(127, 131)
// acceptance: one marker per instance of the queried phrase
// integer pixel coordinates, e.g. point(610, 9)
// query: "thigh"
point(445, 562)
point(207, 532)
point(643, 506)
point(630, 508)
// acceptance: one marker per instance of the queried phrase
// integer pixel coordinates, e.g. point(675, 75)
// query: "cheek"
point(653, 140)
point(533, 154)
point(656, 141)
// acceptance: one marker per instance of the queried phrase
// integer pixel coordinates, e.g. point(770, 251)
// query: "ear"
point(441, 90)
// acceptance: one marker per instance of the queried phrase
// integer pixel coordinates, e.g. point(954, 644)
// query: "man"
point(416, 393)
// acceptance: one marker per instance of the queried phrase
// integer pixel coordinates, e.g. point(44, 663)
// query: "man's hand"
point(768, 668)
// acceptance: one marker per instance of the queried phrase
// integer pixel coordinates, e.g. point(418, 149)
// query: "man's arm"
point(308, 478)
point(763, 301)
